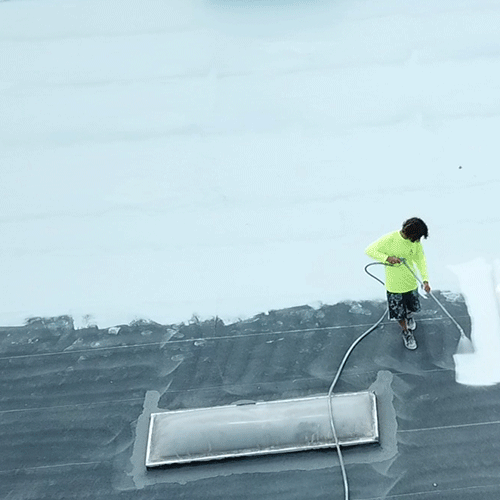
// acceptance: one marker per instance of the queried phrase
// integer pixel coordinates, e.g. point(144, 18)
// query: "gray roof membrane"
point(75, 406)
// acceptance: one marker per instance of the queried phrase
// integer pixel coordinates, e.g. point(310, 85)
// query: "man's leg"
point(412, 305)
point(410, 321)
point(397, 310)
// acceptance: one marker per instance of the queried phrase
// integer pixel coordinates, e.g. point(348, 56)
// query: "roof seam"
point(206, 339)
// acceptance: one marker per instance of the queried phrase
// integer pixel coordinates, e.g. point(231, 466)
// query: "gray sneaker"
point(411, 324)
point(409, 340)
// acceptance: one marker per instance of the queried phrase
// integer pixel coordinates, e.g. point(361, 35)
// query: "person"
point(401, 284)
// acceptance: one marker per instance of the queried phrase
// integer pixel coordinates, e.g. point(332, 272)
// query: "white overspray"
point(247, 169)
point(477, 283)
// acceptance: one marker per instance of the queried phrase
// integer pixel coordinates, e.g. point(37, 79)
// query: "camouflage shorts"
point(400, 304)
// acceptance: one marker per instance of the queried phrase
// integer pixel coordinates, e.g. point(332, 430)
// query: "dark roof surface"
point(75, 406)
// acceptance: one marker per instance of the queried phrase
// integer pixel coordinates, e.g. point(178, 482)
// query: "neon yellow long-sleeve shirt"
point(398, 279)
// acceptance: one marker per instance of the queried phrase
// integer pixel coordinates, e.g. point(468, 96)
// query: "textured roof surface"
point(75, 406)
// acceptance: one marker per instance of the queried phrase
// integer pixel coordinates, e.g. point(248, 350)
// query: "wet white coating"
point(188, 181)
point(478, 284)
point(213, 192)
point(260, 428)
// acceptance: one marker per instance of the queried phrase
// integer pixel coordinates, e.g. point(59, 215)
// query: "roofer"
point(401, 284)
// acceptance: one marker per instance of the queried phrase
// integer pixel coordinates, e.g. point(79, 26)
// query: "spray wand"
point(464, 344)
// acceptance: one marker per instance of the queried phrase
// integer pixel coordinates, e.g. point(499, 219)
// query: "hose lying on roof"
point(464, 346)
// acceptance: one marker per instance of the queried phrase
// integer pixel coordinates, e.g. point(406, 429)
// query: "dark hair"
point(415, 228)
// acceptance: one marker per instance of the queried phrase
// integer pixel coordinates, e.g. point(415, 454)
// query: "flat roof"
point(75, 406)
